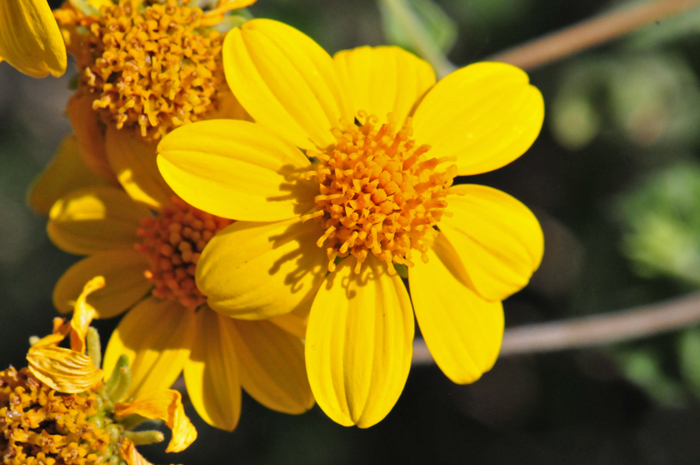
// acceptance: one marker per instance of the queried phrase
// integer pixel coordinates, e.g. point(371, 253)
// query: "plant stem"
point(590, 33)
point(591, 331)
point(419, 37)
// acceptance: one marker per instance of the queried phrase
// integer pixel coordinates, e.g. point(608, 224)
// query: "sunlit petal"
point(30, 39)
point(498, 239)
point(359, 343)
point(261, 270)
point(383, 80)
point(286, 81)
point(237, 170)
point(462, 330)
point(485, 115)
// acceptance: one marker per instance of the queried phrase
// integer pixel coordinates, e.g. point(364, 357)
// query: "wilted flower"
point(59, 410)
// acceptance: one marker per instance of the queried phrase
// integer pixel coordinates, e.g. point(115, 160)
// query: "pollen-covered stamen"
point(39, 425)
point(173, 242)
point(379, 193)
point(150, 65)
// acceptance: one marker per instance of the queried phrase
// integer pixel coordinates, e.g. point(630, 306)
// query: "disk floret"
point(379, 193)
point(173, 242)
point(150, 65)
point(41, 426)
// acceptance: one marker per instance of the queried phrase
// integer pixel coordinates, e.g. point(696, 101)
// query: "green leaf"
point(439, 28)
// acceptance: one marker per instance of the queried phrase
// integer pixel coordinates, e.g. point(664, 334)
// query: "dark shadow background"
point(617, 116)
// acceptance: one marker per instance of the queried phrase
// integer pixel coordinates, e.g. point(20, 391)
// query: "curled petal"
point(163, 405)
point(63, 370)
point(127, 449)
point(83, 313)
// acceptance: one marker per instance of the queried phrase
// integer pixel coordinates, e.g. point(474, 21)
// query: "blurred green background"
point(614, 179)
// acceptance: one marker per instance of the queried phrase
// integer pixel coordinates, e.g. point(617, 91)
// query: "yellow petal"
point(127, 449)
point(295, 321)
point(286, 81)
point(134, 162)
point(83, 313)
point(122, 269)
point(486, 115)
point(462, 330)
point(65, 173)
point(91, 135)
point(156, 336)
point(272, 366)
point(359, 343)
point(163, 405)
point(63, 370)
point(236, 169)
point(30, 39)
point(384, 80)
point(261, 270)
point(498, 239)
point(212, 372)
point(95, 219)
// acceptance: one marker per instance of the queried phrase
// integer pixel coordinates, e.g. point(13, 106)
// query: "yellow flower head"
point(150, 255)
point(59, 411)
point(343, 184)
point(29, 38)
point(145, 68)
point(150, 65)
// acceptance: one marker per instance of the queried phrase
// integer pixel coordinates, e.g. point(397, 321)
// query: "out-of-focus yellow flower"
point(145, 67)
point(150, 261)
point(30, 39)
point(371, 195)
point(59, 411)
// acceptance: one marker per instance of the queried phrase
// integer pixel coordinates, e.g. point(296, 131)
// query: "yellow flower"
point(29, 38)
point(371, 195)
point(150, 258)
point(145, 67)
point(58, 410)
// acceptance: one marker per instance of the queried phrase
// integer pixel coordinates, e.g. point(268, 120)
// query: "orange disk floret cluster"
point(380, 193)
point(151, 65)
point(40, 426)
point(173, 242)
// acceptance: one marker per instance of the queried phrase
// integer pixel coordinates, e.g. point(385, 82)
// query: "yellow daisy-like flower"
point(150, 260)
point(58, 411)
point(145, 67)
point(30, 39)
point(371, 195)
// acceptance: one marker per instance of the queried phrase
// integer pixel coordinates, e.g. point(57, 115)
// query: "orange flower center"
point(173, 242)
point(39, 425)
point(153, 65)
point(380, 193)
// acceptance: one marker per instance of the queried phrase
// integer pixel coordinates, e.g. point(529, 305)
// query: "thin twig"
point(591, 331)
point(590, 33)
